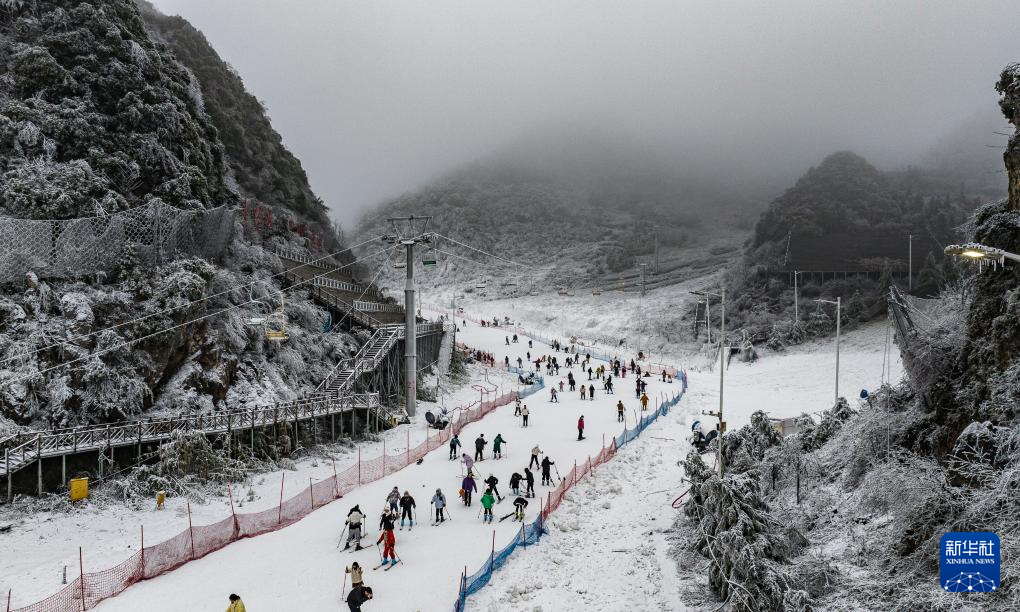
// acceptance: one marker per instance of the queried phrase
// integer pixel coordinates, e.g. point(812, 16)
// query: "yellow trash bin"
point(79, 489)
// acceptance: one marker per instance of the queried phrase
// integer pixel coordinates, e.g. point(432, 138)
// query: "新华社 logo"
point(969, 562)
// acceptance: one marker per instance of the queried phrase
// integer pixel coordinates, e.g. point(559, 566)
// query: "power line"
point(468, 246)
point(180, 306)
point(173, 327)
point(382, 267)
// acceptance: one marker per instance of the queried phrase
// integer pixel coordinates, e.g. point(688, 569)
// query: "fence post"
point(575, 472)
point(191, 532)
point(143, 551)
point(384, 457)
point(8, 600)
point(230, 493)
point(492, 555)
point(311, 493)
point(279, 515)
point(359, 464)
point(336, 482)
point(408, 461)
point(81, 575)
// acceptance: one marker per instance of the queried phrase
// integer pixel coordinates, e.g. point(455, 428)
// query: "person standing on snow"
point(535, 452)
point(589, 373)
point(584, 392)
point(467, 461)
point(561, 386)
point(354, 518)
point(389, 540)
point(357, 574)
point(393, 499)
point(570, 380)
point(491, 482)
point(487, 503)
point(552, 395)
point(580, 428)
point(236, 605)
point(517, 407)
point(406, 505)
point(480, 443)
point(609, 387)
point(357, 598)
point(619, 411)
point(387, 520)
point(497, 446)
point(530, 479)
point(524, 415)
point(591, 392)
point(520, 363)
point(546, 476)
point(439, 501)
point(515, 483)
point(454, 444)
point(519, 505)
point(644, 401)
point(468, 486)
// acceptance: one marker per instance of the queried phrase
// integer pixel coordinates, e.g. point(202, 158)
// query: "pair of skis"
point(389, 566)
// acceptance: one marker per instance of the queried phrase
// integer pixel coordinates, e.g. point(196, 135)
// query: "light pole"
point(722, 368)
point(910, 262)
point(981, 253)
point(838, 304)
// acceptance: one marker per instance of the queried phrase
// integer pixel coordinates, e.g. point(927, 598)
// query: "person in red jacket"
point(580, 428)
point(389, 546)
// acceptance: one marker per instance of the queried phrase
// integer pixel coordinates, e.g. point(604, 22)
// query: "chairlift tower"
point(409, 231)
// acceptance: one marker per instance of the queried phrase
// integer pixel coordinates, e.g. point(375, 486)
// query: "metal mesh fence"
point(151, 235)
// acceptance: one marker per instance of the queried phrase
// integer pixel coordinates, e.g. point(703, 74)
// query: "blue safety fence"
point(534, 387)
point(530, 534)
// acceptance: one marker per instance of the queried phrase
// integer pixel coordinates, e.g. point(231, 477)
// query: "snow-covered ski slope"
point(300, 568)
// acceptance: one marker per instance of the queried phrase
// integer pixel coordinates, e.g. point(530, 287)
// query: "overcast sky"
point(377, 97)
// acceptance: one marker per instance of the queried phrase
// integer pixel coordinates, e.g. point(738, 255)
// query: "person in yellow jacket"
point(236, 605)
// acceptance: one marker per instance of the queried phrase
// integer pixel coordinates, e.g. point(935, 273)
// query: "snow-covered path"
point(299, 567)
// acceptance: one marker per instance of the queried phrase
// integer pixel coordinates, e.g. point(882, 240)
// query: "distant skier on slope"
point(468, 486)
point(530, 479)
point(354, 518)
point(644, 401)
point(491, 482)
point(454, 444)
point(546, 466)
point(487, 503)
point(480, 443)
point(393, 500)
point(357, 598)
point(439, 501)
point(497, 446)
point(406, 509)
point(524, 415)
point(619, 411)
point(535, 452)
point(389, 540)
point(515, 483)
point(519, 505)
point(467, 461)
point(591, 392)
point(580, 428)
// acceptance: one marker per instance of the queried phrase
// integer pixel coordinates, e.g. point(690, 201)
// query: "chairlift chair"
point(275, 325)
point(428, 258)
point(399, 259)
point(596, 291)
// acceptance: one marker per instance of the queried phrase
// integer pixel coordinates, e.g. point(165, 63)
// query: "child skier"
point(487, 503)
point(439, 501)
point(357, 574)
point(644, 401)
point(619, 411)
point(497, 446)
point(454, 443)
point(552, 395)
point(389, 541)
point(393, 499)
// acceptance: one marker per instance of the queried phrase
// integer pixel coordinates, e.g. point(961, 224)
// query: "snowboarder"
point(454, 444)
point(530, 480)
point(644, 401)
point(357, 598)
point(467, 461)
point(497, 446)
point(406, 506)
point(519, 505)
point(393, 499)
point(535, 452)
point(580, 428)
point(552, 395)
point(236, 605)
point(515, 483)
point(591, 392)
point(480, 443)
point(524, 415)
point(546, 466)
point(354, 518)
point(468, 486)
point(491, 482)
point(619, 411)
point(487, 503)
point(439, 501)
point(357, 574)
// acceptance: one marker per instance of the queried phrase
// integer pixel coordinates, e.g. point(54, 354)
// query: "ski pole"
point(340, 541)
point(344, 587)
point(378, 550)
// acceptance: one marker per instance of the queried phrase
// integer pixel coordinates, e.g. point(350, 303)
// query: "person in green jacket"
point(487, 502)
point(497, 446)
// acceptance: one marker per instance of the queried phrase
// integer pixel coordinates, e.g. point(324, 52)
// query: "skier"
point(389, 541)
point(609, 387)
point(664, 376)
point(354, 518)
point(487, 503)
point(584, 392)
point(520, 362)
point(519, 505)
point(535, 452)
point(524, 415)
point(530, 479)
point(515, 483)
point(517, 407)
point(236, 605)
point(570, 380)
point(439, 501)
point(506, 362)
point(497, 446)
point(393, 499)
point(637, 388)
point(619, 411)
point(467, 461)
point(468, 486)
point(591, 392)
point(561, 386)
point(357, 574)
point(507, 338)
point(546, 465)
point(491, 482)
point(529, 344)
point(387, 520)
point(454, 443)
point(515, 338)
point(406, 505)
point(644, 401)
point(589, 373)
point(552, 395)
point(479, 447)
point(580, 428)
point(357, 598)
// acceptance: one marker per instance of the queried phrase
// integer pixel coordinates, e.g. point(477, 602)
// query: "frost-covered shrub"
point(745, 448)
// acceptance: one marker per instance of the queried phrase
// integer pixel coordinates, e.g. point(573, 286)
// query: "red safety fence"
point(90, 588)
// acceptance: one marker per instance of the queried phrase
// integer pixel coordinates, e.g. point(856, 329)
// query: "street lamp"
point(838, 304)
point(980, 253)
point(722, 367)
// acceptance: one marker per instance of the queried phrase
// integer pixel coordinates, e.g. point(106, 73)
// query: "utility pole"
point(643, 266)
point(409, 231)
point(796, 299)
point(655, 264)
point(910, 262)
point(838, 304)
point(722, 369)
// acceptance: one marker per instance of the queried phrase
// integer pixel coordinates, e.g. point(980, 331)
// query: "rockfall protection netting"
point(531, 533)
point(152, 234)
point(90, 588)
